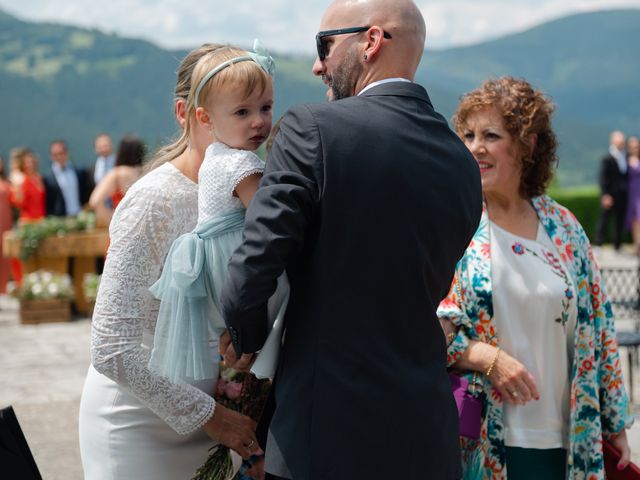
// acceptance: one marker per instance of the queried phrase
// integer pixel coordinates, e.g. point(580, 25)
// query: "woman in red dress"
point(28, 192)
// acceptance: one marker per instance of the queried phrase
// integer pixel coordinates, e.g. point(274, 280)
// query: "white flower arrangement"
point(43, 285)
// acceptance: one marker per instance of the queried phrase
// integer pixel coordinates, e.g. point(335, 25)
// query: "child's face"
point(242, 123)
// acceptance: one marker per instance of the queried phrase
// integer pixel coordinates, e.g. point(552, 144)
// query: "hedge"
point(584, 202)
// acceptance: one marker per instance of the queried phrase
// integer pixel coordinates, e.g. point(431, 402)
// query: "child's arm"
point(247, 187)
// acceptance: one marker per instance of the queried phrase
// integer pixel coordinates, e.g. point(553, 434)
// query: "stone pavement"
point(43, 369)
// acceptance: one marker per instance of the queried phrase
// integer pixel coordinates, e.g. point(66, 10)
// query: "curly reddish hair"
point(525, 111)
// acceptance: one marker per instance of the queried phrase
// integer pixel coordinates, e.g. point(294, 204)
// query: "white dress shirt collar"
point(380, 82)
point(620, 157)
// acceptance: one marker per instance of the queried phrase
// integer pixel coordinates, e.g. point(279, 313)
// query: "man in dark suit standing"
point(67, 188)
point(613, 185)
point(368, 202)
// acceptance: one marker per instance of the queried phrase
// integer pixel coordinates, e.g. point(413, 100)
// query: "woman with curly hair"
point(528, 321)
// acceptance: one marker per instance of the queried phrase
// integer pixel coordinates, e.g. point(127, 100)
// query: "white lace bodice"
point(156, 210)
point(222, 170)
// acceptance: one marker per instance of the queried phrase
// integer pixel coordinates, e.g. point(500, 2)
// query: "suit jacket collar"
point(399, 89)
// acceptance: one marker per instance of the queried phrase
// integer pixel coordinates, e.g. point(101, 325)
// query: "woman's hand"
point(233, 430)
point(622, 444)
point(514, 382)
point(510, 377)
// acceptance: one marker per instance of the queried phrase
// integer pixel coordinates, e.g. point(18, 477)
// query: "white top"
point(535, 315)
point(383, 81)
point(103, 165)
point(157, 209)
point(620, 157)
point(223, 168)
point(68, 183)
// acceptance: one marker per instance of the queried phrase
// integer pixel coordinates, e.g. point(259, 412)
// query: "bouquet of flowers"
point(243, 393)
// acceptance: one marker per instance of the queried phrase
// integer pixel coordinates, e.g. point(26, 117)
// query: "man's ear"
point(374, 42)
point(203, 118)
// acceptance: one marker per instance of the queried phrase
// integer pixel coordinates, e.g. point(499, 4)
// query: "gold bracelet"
point(493, 363)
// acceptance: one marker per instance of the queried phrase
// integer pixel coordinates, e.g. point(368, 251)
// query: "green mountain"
point(61, 81)
point(589, 64)
point(65, 82)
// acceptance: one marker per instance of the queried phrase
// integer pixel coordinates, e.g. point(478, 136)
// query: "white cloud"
point(289, 25)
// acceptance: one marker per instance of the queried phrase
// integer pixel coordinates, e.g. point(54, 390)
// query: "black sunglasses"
point(321, 44)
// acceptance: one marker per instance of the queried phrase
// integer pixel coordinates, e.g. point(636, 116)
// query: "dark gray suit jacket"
point(368, 203)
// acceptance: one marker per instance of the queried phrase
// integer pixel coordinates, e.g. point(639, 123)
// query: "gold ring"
point(250, 445)
point(514, 394)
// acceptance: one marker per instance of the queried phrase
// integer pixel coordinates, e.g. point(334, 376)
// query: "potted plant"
point(90, 285)
point(44, 297)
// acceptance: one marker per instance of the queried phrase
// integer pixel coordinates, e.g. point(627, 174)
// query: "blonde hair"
point(17, 156)
point(181, 92)
point(194, 68)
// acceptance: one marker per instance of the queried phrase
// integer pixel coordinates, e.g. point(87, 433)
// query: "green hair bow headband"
point(260, 55)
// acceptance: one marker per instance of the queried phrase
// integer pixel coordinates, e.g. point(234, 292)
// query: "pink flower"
point(518, 248)
point(233, 390)
point(220, 387)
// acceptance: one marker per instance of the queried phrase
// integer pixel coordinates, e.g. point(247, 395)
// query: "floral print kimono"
point(598, 400)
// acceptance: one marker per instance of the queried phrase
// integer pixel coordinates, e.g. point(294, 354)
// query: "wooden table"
point(53, 254)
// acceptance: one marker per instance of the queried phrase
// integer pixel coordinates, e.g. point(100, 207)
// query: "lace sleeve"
point(242, 164)
point(142, 230)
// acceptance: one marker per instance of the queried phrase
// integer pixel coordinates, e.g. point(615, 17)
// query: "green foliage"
point(31, 234)
point(90, 286)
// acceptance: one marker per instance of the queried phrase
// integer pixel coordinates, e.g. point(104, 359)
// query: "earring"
point(366, 57)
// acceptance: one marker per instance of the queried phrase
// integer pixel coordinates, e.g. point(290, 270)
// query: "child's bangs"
point(247, 75)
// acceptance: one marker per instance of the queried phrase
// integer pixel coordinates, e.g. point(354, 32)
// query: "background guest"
point(106, 159)
point(613, 185)
point(6, 222)
point(551, 374)
point(29, 191)
point(67, 188)
point(633, 193)
point(113, 186)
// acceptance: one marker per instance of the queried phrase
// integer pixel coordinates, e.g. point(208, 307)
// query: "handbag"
point(611, 458)
point(469, 407)
point(16, 460)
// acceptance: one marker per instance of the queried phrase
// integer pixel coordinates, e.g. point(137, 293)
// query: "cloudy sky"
point(289, 25)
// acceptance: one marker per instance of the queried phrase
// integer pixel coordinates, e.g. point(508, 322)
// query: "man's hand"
point(607, 201)
point(233, 430)
point(231, 360)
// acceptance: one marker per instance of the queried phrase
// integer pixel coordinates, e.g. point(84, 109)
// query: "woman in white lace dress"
point(135, 424)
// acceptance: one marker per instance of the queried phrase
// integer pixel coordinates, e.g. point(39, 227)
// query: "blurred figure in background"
point(113, 186)
point(27, 194)
point(6, 222)
point(613, 184)
point(633, 192)
point(68, 188)
point(28, 189)
point(106, 159)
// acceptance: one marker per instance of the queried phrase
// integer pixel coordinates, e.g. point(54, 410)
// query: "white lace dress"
point(135, 424)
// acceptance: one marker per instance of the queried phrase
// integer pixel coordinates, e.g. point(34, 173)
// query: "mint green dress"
point(194, 271)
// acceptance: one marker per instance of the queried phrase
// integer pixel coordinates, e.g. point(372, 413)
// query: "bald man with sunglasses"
point(367, 202)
